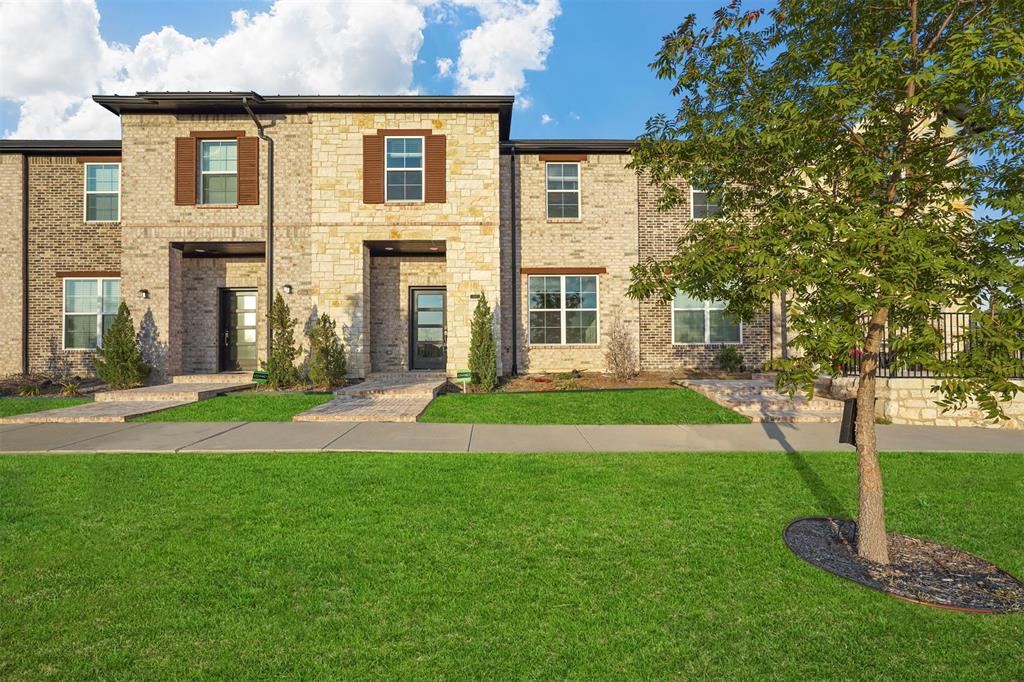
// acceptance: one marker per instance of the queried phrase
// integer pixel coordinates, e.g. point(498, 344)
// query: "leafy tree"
point(483, 359)
point(870, 159)
point(119, 363)
point(280, 366)
point(327, 363)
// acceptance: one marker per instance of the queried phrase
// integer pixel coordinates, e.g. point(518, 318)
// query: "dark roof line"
point(569, 146)
point(42, 147)
point(218, 102)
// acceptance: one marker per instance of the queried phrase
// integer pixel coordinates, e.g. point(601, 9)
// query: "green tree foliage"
point(119, 363)
point(870, 159)
point(483, 359)
point(327, 363)
point(280, 366)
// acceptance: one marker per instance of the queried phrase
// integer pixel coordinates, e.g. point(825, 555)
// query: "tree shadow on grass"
point(828, 503)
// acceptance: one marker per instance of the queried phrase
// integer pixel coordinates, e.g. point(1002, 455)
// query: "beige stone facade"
point(11, 261)
point(391, 278)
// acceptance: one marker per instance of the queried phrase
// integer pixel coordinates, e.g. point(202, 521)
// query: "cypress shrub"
point(483, 360)
point(327, 363)
point(280, 366)
point(119, 363)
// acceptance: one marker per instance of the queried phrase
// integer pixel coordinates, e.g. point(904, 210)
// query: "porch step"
point(346, 408)
point(784, 416)
point(215, 378)
point(405, 384)
point(184, 392)
point(95, 412)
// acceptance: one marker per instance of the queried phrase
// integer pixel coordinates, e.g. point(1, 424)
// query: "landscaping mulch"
point(576, 380)
point(920, 571)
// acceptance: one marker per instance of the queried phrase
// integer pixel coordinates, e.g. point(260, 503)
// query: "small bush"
point(483, 358)
point(327, 363)
point(280, 366)
point(69, 388)
point(729, 359)
point(620, 354)
point(29, 390)
point(119, 363)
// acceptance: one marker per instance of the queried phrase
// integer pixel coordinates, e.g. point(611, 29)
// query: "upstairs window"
point(563, 190)
point(218, 172)
point(403, 168)
point(90, 306)
point(705, 204)
point(695, 321)
point(102, 192)
point(563, 309)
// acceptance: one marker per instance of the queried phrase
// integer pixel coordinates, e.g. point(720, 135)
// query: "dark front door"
point(238, 319)
point(426, 328)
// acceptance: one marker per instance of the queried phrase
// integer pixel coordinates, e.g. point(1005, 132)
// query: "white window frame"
point(98, 315)
point(695, 190)
point(422, 169)
point(562, 310)
point(86, 192)
point(578, 190)
point(199, 190)
point(707, 328)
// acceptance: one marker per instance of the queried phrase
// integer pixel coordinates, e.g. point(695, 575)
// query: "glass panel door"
point(427, 336)
point(238, 321)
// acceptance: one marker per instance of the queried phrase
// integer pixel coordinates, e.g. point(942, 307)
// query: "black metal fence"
point(953, 327)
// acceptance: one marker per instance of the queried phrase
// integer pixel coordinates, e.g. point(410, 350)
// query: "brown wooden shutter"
point(434, 170)
point(185, 171)
point(373, 169)
point(248, 170)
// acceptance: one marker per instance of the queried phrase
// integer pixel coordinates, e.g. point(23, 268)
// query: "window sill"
point(102, 222)
point(402, 202)
point(216, 205)
point(80, 350)
point(564, 345)
point(565, 220)
point(712, 344)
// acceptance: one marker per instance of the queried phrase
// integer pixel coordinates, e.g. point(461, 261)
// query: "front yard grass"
point(241, 407)
point(631, 406)
point(10, 407)
point(483, 566)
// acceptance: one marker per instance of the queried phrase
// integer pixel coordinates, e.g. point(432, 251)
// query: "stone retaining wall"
point(911, 401)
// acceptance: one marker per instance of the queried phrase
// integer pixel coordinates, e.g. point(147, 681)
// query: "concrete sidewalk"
point(417, 437)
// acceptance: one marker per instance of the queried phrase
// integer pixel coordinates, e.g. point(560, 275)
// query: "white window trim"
point(98, 315)
point(578, 190)
point(707, 329)
point(694, 190)
point(422, 169)
point(596, 309)
point(86, 192)
point(199, 190)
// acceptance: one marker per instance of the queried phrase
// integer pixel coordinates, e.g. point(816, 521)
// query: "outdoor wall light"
point(287, 288)
point(143, 293)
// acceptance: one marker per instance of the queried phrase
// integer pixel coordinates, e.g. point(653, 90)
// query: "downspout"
point(515, 270)
point(269, 248)
point(784, 322)
point(24, 263)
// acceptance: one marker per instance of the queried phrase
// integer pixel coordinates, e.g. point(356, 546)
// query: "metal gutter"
point(568, 146)
point(60, 147)
point(269, 255)
point(515, 269)
point(24, 264)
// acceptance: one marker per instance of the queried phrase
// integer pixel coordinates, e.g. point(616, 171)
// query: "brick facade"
point(390, 280)
point(11, 261)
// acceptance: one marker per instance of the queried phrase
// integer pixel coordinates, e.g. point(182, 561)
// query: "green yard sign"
point(260, 377)
point(463, 376)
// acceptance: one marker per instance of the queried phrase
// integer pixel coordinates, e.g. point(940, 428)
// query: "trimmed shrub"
point(327, 363)
point(729, 359)
point(483, 358)
point(280, 366)
point(119, 363)
point(620, 354)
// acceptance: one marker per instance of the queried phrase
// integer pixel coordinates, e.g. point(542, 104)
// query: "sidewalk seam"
point(219, 433)
point(585, 439)
point(351, 425)
point(82, 440)
point(469, 445)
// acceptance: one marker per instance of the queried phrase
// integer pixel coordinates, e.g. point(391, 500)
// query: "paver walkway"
point(119, 406)
point(383, 397)
point(336, 436)
point(758, 400)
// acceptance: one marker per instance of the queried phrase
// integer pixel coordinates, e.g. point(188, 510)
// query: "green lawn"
point(241, 407)
point(482, 566)
point(634, 406)
point(12, 406)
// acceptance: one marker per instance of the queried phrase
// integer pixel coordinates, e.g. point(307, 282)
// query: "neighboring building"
point(392, 214)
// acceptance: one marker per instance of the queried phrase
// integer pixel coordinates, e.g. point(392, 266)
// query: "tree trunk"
point(871, 539)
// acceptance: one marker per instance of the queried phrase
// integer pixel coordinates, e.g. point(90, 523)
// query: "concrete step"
point(216, 378)
point(753, 400)
point(784, 416)
point(183, 392)
point(94, 412)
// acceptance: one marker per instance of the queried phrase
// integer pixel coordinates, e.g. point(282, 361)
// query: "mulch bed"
point(577, 381)
point(919, 570)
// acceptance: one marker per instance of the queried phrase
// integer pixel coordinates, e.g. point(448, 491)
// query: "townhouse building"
point(391, 214)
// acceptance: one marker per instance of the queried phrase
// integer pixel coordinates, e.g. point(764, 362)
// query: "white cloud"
point(294, 47)
point(513, 38)
point(524, 102)
point(546, 120)
point(574, 116)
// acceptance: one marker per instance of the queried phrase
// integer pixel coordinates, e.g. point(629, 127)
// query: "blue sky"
point(580, 67)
